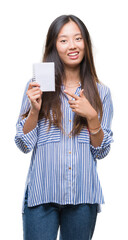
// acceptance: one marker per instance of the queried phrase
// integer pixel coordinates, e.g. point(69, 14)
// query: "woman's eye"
point(63, 41)
point(78, 38)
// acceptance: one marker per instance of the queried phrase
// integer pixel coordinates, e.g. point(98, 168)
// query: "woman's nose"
point(72, 44)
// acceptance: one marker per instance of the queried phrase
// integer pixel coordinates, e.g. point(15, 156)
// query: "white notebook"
point(44, 74)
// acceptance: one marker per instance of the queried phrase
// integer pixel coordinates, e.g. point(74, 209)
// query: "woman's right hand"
point(34, 94)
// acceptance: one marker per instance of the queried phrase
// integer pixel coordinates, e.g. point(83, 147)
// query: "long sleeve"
point(103, 150)
point(25, 142)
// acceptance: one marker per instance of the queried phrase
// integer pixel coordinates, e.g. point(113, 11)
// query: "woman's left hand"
point(81, 106)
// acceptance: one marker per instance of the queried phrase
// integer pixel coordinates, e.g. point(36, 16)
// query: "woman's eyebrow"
point(63, 35)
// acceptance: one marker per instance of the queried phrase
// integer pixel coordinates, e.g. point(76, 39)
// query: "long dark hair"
point(51, 100)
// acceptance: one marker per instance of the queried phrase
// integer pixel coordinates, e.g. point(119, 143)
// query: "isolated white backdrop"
point(24, 25)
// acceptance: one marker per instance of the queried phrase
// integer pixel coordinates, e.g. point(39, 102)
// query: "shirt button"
point(70, 120)
point(25, 146)
point(69, 152)
point(69, 168)
point(69, 136)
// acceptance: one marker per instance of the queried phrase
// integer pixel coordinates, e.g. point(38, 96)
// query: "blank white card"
point(44, 74)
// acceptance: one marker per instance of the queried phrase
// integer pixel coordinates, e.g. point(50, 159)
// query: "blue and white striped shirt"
point(63, 168)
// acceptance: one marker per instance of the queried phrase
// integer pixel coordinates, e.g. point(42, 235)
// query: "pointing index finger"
point(71, 94)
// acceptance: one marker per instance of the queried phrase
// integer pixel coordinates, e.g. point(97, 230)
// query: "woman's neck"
point(72, 77)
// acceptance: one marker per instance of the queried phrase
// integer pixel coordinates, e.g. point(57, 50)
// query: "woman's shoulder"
point(103, 90)
point(30, 80)
point(27, 85)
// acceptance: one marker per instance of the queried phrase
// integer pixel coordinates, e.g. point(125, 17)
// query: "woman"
point(67, 130)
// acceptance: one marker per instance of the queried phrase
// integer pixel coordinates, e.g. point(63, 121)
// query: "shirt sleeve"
point(25, 142)
point(102, 151)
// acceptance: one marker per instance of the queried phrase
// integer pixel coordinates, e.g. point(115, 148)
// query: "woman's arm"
point(82, 107)
point(95, 130)
point(100, 142)
point(34, 94)
point(26, 128)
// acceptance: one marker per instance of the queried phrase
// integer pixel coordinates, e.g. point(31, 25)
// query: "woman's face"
point(70, 44)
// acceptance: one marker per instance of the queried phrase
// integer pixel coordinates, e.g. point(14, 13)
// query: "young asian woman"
point(67, 131)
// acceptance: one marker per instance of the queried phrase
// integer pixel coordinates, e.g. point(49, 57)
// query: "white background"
point(23, 29)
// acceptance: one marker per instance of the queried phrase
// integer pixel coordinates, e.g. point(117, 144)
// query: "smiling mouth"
point(73, 54)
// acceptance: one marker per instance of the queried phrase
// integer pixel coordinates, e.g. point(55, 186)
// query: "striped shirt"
point(63, 168)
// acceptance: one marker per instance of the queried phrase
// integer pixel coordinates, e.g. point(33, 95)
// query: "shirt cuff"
point(102, 151)
point(25, 142)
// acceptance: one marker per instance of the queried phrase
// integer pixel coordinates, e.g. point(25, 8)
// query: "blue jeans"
point(77, 222)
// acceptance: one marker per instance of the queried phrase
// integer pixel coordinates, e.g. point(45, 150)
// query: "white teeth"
point(73, 54)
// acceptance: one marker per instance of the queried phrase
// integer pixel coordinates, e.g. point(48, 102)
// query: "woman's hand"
point(34, 94)
point(81, 106)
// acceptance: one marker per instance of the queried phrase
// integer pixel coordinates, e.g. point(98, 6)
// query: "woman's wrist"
point(93, 121)
point(31, 121)
point(34, 112)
